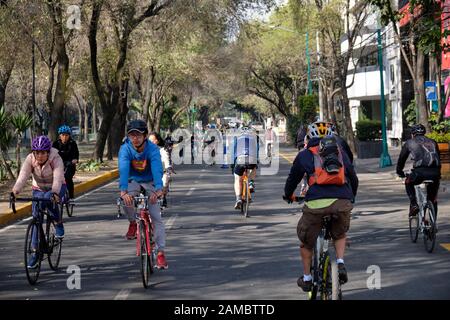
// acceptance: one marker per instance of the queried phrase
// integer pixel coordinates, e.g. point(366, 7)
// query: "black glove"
point(287, 199)
point(401, 174)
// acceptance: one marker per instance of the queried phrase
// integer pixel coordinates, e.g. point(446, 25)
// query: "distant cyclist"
point(245, 156)
point(166, 163)
point(47, 169)
point(68, 151)
point(427, 166)
point(332, 185)
point(140, 166)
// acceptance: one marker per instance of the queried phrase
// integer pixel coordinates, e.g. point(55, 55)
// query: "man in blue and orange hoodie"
point(140, 165)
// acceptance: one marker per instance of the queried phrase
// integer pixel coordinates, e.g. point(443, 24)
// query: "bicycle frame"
point(322, 264)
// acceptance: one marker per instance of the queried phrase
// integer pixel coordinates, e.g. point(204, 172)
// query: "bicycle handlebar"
point(13, 200)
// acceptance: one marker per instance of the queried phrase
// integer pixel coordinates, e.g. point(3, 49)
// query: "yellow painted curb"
point(445, 246)
point(25, 209)
point(288, 157)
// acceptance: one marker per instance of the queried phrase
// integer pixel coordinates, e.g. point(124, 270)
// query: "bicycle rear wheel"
point(414, 227)
point(246, 202)
point(429, 231)
point(54, 246)
point(145, 259)
point(33, 230)
point(336, 293)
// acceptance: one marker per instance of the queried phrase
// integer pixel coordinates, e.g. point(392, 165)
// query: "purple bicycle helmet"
point(41, 143)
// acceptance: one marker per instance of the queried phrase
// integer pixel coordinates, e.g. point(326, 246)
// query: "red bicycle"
point(145, 244)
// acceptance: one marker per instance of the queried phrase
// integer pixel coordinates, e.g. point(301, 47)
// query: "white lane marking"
point(91, 192)
point(191, 190)
point(196, 181)
point(123, 294)
point(170, 222)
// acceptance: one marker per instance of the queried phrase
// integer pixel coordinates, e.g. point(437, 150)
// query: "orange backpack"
point(320, 175)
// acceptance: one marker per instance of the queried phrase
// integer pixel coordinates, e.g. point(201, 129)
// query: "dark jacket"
point(304, 164)
point(424, 152)
point(68, 151)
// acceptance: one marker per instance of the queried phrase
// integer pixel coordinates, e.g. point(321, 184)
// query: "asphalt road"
point(215, 253)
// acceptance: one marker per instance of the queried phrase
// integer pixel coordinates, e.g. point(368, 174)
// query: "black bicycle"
point(324, 270)
point(45, 243)
point(66, 201)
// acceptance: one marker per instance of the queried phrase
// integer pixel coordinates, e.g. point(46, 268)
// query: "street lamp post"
point(385, 159)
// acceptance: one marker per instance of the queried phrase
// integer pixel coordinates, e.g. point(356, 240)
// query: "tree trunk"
point(118, 126)
point(94, 119)
point(4, 78)
point(56, 114)
point(350, 137)
point(420, 91)
point(6, 159)
point(86, 123)
point(80, 115)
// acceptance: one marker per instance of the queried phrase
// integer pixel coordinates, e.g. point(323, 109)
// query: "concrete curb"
point(25, 210)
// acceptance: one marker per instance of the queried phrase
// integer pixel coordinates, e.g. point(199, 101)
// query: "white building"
point(365, 92)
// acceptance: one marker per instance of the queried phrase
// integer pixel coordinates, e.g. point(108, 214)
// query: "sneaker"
point(413, 210)
point(161, 262)
point(305, 285)
point(342, 272)
point(238, 204)
point(251, 186)
point(59, 228)
point(33, 262)
point(131, 234)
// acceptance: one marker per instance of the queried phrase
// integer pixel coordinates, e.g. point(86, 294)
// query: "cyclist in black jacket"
point(68, 151)
point(427, 166)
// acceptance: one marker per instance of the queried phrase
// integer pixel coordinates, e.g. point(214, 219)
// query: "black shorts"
point(240, 168)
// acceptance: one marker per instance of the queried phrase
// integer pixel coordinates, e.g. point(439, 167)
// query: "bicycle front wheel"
point(54, 246)
point(336, 293)
point(33, 251)
point(69, 209)
point(429, 231)
point(145, 258)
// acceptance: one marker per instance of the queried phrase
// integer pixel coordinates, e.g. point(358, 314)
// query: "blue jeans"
point(54, 211)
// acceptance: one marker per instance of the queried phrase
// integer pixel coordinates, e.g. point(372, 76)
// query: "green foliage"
point(308, 106)
point(439, 127)
point(410, 113)
point(439, 137)
point(368, 130)
point(91, 166)
point(21, 122)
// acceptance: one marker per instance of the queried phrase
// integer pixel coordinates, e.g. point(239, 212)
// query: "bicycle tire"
point(246, 203)
point(414, 228)
point(336, 293)
point(314, 270)
point(145, 260)
point(243, 195)
point(54, 245)
point(324, 287)
point(429, 231)
point(32, 274)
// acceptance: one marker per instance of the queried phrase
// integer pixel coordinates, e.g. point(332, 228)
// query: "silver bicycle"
point(425, 221)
